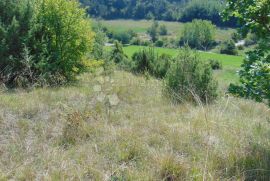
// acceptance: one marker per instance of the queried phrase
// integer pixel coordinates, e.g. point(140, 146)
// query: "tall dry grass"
point(122, 128)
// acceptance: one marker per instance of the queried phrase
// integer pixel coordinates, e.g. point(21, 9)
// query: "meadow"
point(231, 64)
point(174, 28)
point(121, 127)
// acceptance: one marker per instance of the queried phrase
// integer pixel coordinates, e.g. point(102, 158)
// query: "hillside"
point(120, 127)
point(168, 10)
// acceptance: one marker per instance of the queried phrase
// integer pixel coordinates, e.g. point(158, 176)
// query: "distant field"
point(230, 63)
point(174, 28)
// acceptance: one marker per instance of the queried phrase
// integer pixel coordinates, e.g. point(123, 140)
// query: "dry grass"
point(122, 128)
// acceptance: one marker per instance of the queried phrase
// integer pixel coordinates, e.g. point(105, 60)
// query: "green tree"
point(153, 31)
point(255, 73)
point(198, 34)
point(229, 48)
point(163, 30)
point(52, 35)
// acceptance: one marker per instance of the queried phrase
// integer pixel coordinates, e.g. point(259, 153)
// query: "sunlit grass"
point(78, 133)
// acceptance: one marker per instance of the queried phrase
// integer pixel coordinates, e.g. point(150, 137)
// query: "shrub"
point(215, 64)
point(163, 30)
point(189, 79)
point(251, 39)
point(118, 56)
point(198, 34)
point(55, 47)
point(144, 60)
point(229, 48)
point(162, 65)
point(153, 31)
point(123, 37)
point(159, 43)
point(147, 60)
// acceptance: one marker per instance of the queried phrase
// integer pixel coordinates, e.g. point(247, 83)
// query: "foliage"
point(134, 9)
point(168, 10)
point(163, 30)
point(159, 43)
point(198, 34)
point(56, 35)
point(98, 45)
point(206, 10)
point(255, 72)
point(153, 31)
point(189, 79)
point(123, 37)
point(228, 48)
point(118, 56)
point(254, 77)
point(215, 64)
point(147, 60)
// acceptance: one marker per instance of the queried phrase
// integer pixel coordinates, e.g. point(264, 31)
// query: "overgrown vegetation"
point(255, 73)
point(42, 42)
point(190, 80)
point(168, 10)
point(198, 34)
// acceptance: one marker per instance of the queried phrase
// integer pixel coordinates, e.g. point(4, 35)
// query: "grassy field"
point(174, 28)
point(121, 127)
point(231, 64)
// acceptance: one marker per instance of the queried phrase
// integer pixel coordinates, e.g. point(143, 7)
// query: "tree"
point(198, 34)
point(255, 73)
point(153, 31)
point(163, 30)
point(56, 34)
point(229, 48)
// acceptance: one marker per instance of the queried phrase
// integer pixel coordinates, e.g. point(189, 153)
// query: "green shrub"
point(147, 60)
point(229, 48)
point(163, 30)
point(39, 45)
point(215, 64)
point(159, 43)
point(189, 79)
point(153, 31)
point(123, 37)
point(251, 39)
point(198, 34)
point(144, 60)
point(118, 56)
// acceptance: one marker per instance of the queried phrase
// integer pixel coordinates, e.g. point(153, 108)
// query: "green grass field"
point(174, 28)
point(230, 63)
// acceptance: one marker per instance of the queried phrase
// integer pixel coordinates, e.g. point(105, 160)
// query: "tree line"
point(169, 10)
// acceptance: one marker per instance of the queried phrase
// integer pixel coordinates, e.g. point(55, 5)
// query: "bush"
point(215, 64)
point(159, 43)
point(147, 60)
point(189, 79)
point(198, 34)
point(251, 39)
point(153, 31)
point(118, 56)
point(163, 30)
point(39, 45)
point(123, 37)
point(229, 48)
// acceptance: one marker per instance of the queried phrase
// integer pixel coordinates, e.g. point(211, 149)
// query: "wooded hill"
point(169, 10)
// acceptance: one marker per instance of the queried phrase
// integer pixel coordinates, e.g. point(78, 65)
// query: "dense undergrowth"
point(120, 127)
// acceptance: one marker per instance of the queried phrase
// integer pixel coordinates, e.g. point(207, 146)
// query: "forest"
point(169, 10)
